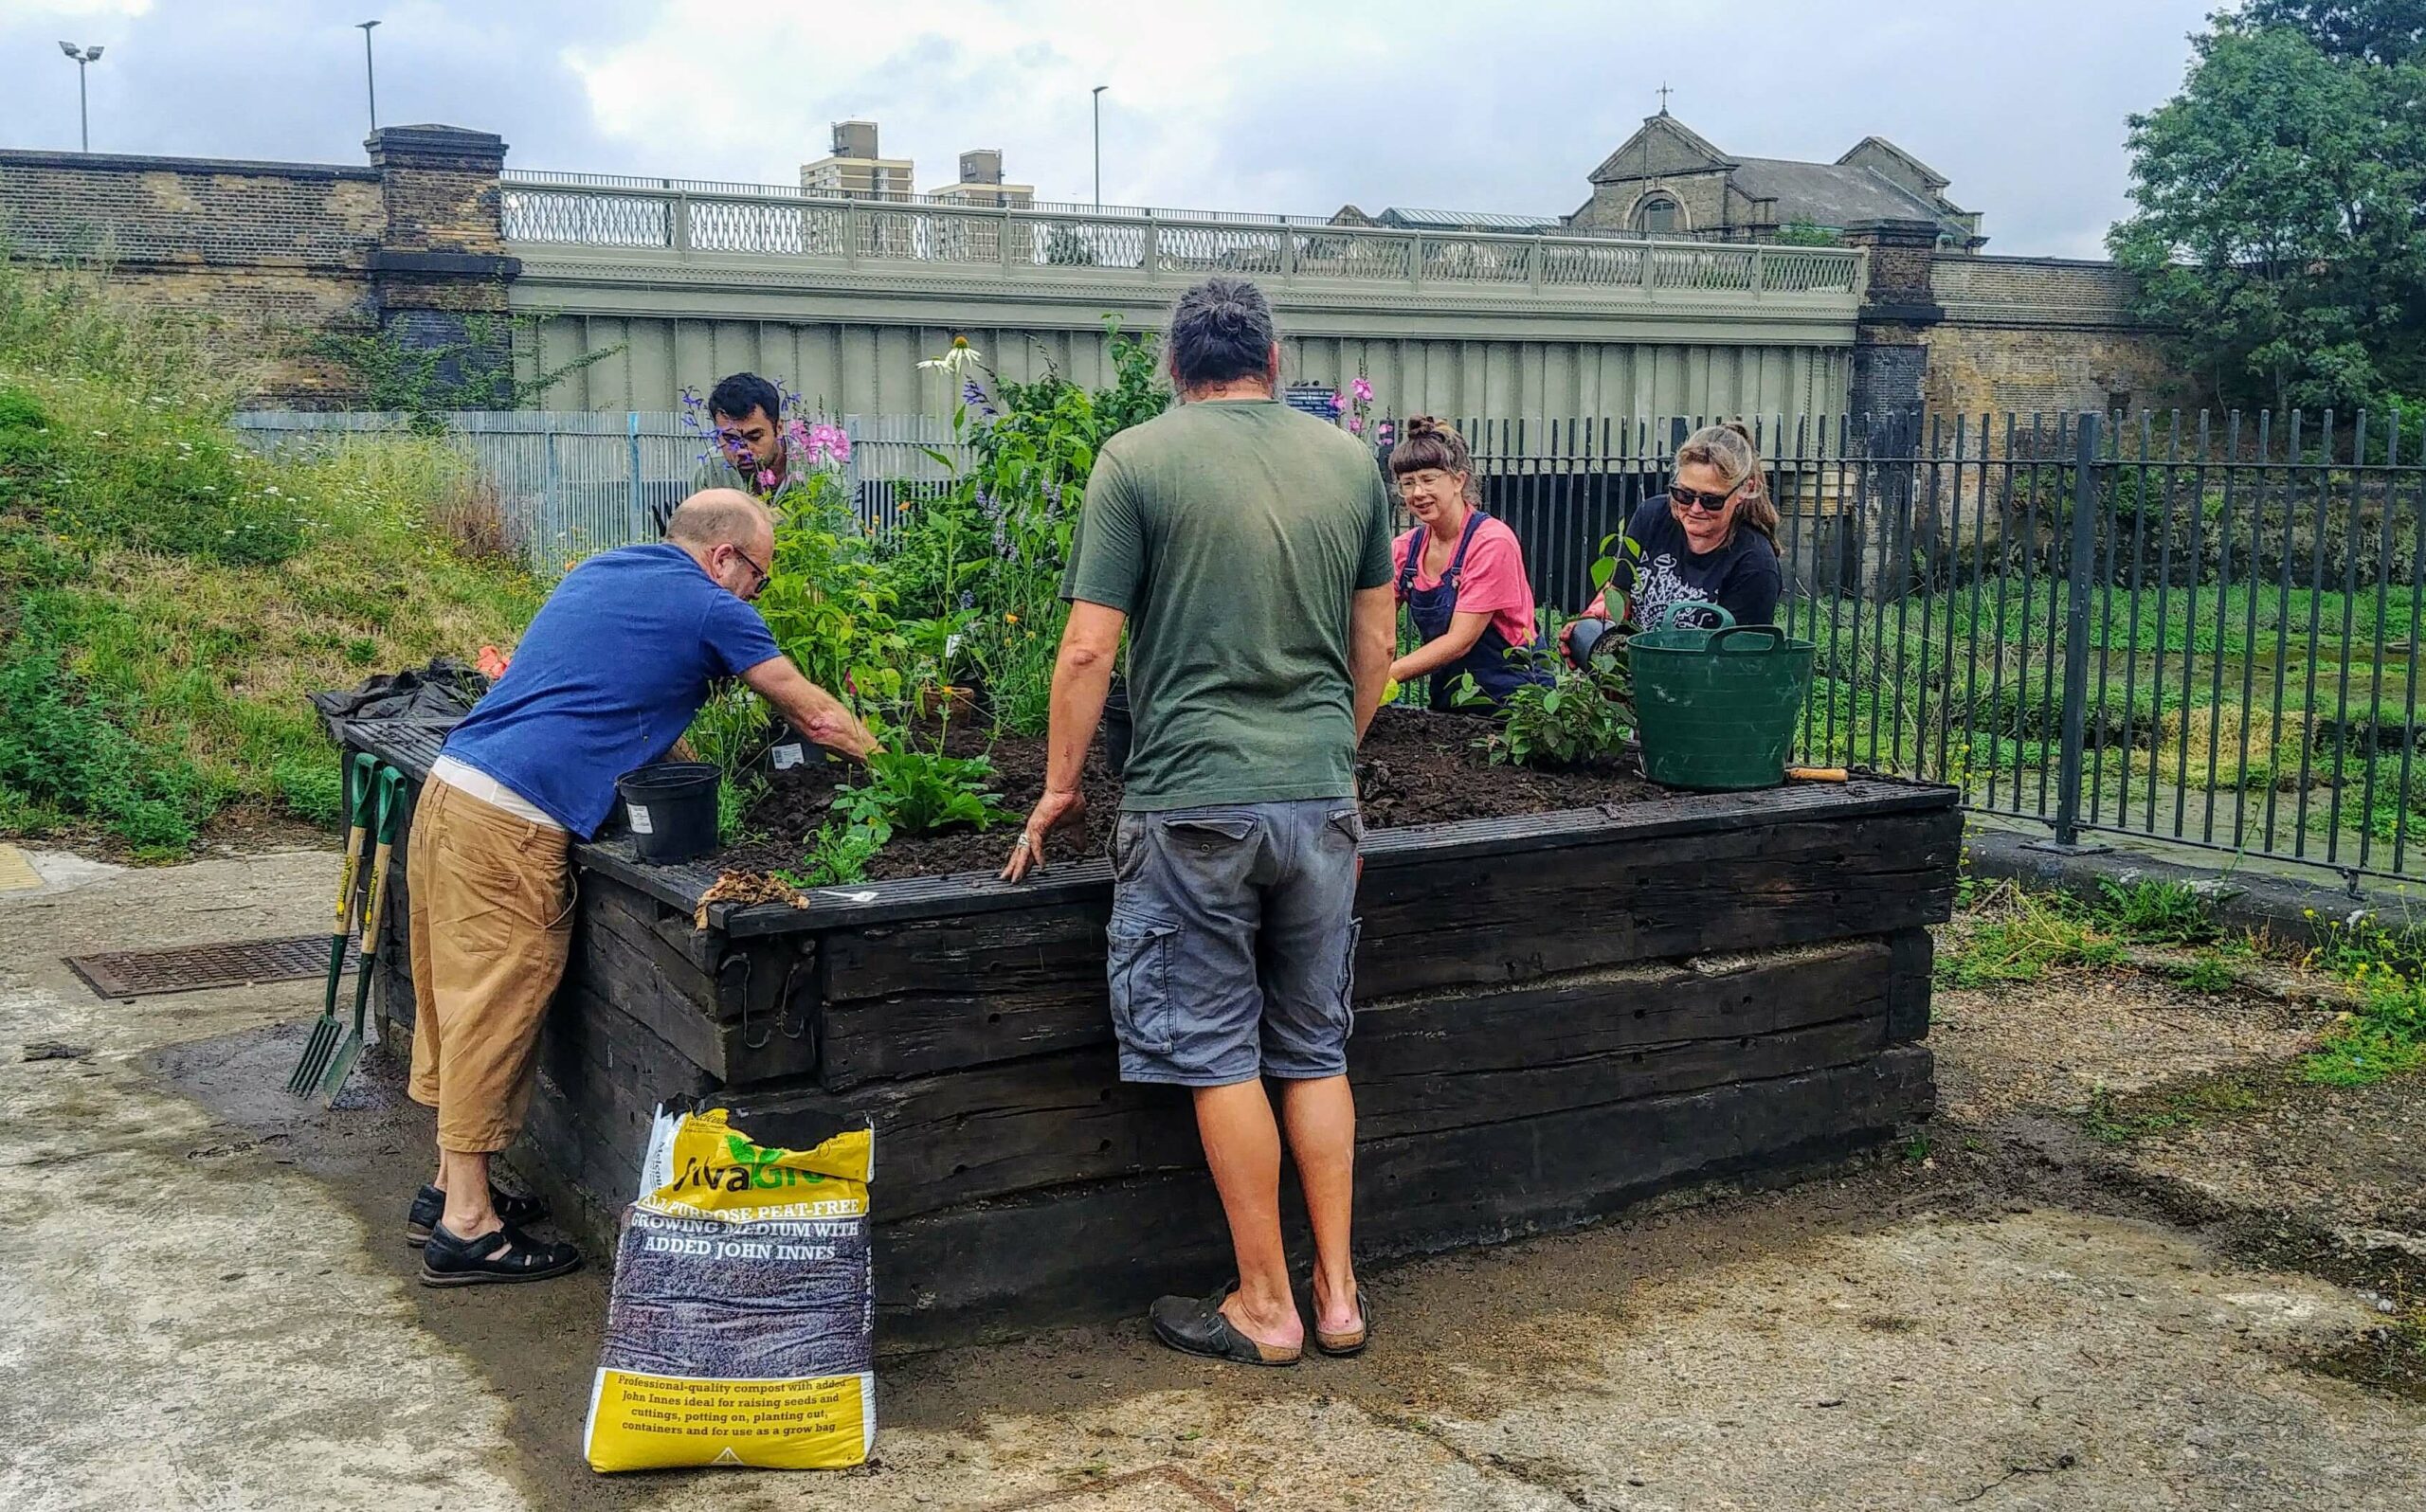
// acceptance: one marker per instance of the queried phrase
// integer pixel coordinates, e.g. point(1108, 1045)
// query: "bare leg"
point(1321, 1116)
point(1242, 1145)
point(464, 1178)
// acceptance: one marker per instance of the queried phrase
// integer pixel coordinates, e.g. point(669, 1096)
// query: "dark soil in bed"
point(1416, 767)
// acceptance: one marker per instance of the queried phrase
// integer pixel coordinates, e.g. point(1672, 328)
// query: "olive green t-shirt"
point(1234, 535)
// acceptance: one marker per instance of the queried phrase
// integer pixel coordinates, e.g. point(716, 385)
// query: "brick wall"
point(275, 254)
point(2044, 335)
point(269, 251)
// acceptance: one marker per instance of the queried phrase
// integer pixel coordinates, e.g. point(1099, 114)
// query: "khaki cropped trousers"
point(492, 925)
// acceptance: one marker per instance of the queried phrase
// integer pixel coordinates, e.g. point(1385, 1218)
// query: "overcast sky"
point(1248, 104)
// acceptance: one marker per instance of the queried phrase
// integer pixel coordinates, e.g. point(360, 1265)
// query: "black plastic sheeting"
point(436, 695)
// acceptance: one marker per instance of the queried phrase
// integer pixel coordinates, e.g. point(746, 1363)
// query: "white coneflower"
point(961, 355)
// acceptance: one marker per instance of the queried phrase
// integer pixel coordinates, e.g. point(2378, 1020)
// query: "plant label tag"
point(639, 820)
point(788, 756)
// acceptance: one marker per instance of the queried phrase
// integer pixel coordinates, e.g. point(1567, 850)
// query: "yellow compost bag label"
point(741, 1329)
point(712, 1171)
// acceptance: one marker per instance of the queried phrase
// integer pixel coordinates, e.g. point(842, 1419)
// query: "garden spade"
point(326, 1030)
point(392, 813)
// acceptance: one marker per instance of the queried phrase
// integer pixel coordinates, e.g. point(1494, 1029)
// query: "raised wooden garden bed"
point(1558, 1015)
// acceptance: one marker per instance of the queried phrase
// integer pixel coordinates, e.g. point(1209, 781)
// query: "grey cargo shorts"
point(1232, 944)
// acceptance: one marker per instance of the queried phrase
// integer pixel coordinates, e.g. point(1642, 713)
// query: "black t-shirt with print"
point(1740, 577)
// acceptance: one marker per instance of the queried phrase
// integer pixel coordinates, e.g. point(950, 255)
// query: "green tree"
point(2281, 227)
point(2376, 31)
point(1804, 231)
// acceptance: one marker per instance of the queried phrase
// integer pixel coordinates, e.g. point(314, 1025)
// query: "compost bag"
point(741, 1329)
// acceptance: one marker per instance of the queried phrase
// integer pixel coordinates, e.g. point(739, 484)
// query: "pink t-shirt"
point(1493, 583)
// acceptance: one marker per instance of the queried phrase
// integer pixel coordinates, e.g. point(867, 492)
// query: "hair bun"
point(1430, 425)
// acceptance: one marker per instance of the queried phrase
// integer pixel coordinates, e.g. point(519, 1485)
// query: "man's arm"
point(1081, 678)
point(1373, 633)
point(812, 711)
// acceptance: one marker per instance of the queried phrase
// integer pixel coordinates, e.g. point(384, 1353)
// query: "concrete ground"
point(209, 1306)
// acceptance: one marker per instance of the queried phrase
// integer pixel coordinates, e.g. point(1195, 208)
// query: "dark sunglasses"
point(1693, 498)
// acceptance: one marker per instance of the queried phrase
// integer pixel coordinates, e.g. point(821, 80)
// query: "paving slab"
point(211, 1308)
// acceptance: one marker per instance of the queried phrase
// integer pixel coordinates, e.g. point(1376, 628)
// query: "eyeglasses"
point(754, 567)
point(1693, 498)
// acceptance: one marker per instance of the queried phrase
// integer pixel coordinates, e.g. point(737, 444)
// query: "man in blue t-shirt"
point(605, 679)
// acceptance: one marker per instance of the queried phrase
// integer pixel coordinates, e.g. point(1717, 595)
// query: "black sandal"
point(429, 1205)
point(1340, 1346)
point(447, 1261)
point(1194, 1325)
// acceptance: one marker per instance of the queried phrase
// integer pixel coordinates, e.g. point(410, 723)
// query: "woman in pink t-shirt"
point(1460, 573)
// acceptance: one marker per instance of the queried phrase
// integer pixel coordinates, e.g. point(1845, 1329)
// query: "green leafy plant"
point(1576, 717)
point(2210, 973)
point(827, 600)
point(2149, 911)
point(837, 855)
point(912, 792)
point(476, 372)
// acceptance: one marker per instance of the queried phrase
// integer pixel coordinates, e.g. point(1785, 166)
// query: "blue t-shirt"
point(606, 679)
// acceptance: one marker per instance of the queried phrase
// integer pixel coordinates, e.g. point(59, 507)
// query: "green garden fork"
point(391, 818)
point(360, 777)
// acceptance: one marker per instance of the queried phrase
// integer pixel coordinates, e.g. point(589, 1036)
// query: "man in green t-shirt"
point(1245, 547)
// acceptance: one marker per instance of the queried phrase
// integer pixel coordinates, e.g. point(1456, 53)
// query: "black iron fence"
point(2202, 628)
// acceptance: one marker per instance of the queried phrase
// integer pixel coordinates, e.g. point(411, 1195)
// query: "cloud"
point(1252, 104)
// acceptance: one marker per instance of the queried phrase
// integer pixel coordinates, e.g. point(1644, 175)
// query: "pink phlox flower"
point(766, 477)
point(1356, 424)
point(828, 441)
point(1338, 403)
point(1364, 389)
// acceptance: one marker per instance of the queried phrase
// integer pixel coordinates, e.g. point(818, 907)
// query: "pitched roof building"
point(1404, 218)
point(1669, 181)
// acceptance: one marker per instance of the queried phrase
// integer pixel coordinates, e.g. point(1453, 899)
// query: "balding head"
point(719, 516)
point(729, 534)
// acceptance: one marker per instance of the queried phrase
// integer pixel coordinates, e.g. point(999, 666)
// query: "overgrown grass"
point(2016, 935)
point(166, 598)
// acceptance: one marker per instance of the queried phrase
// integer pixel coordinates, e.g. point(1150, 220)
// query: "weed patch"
point(2114, 1118)
point(2154, 912)
point(2385, 1035)
point(2018, 936)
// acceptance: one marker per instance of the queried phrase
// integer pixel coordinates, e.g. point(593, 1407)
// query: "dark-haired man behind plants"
point(1246, 549)
point(605, 679)
point(747, 414)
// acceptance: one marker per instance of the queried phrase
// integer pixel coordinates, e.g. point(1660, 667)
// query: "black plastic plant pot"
point(1582, 637)
point(671, 807)
point(1117, 730)
point(787, 749)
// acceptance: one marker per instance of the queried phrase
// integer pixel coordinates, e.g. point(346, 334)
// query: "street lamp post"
point(84, 114)
point(1099, 89)
point(369, 75)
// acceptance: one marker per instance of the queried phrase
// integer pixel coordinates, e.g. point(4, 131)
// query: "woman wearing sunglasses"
point(1711, 539)
point(1460, 574)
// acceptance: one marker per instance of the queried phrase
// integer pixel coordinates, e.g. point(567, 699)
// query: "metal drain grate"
point(192, 968)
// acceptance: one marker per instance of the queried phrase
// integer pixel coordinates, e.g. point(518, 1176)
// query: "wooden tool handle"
point(1817, 774)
